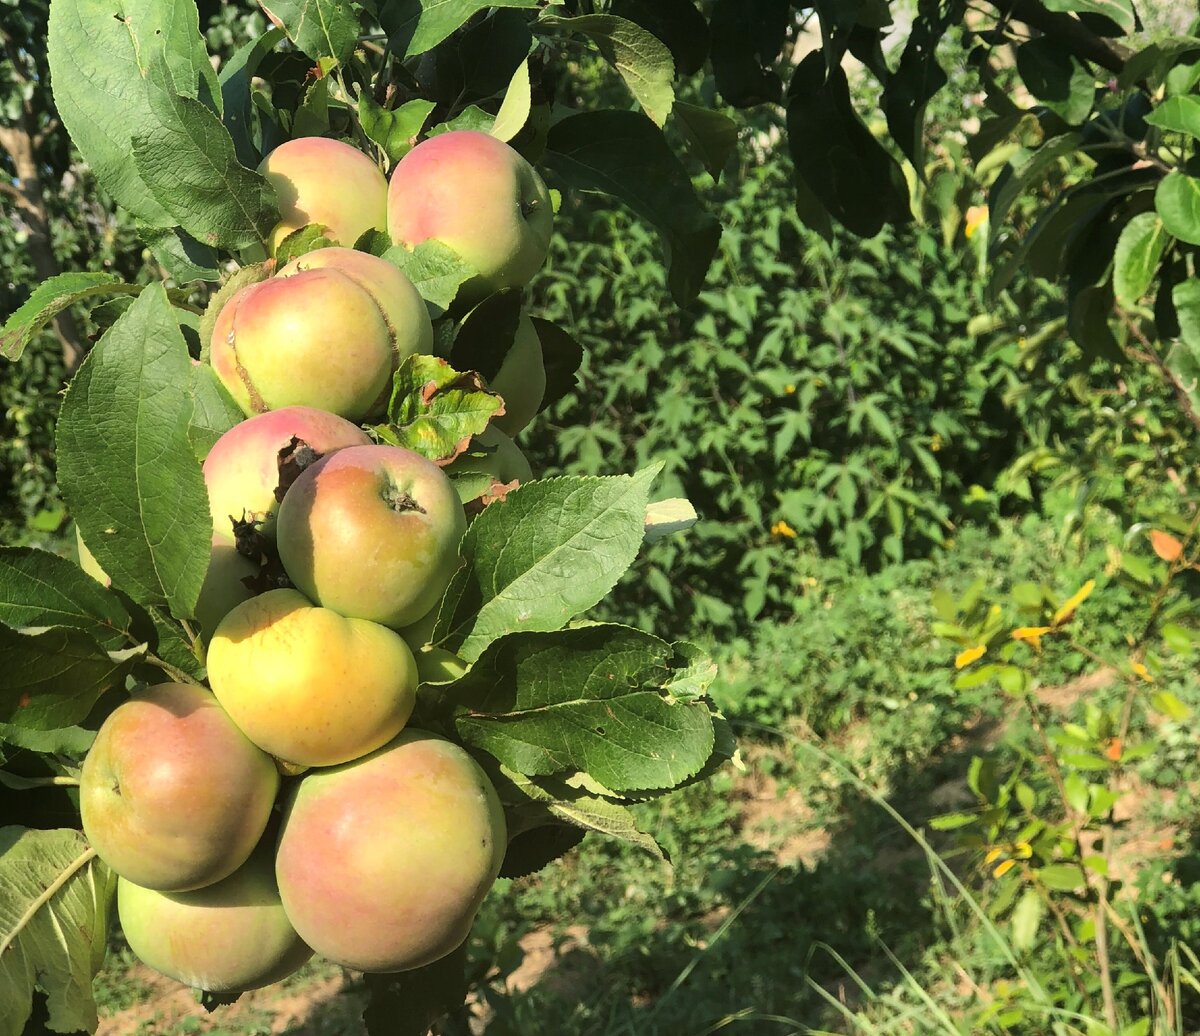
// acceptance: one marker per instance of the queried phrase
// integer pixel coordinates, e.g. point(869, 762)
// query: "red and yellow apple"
point(383, 863)
point(321, 180)
point(324, 333)
point(476, 195)
point(403, 309)
point(230, 936)
point(173, 795)
point(242, 472)
point(372, 532)
point(308, 685)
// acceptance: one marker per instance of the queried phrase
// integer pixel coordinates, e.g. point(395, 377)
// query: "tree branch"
point(1070, 32)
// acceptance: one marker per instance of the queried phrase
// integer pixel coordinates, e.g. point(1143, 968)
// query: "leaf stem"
point(20, 783)
point(52, 890)
point(174, 672)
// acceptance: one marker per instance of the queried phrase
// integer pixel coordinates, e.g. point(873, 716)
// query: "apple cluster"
point(288, 808)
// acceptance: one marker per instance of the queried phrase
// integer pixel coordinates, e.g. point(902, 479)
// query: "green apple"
point(173, 795)
point(372, 532)
point(383, 863)
point(306, 684)
point(230, 936)
point(479, 197)
point(521, 380)
point(320, 180)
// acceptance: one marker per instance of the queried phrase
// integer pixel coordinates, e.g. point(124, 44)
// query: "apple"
point(242, 472)
point(476, 195)
point(173, 795)
point(224, 586)
point(403, 308)
point(308, 685)
point(434, 664)
point(230, 936)
point(316, 338)
point(321, 180)
point(372, 532)
point(383, 863)
point(521, 379)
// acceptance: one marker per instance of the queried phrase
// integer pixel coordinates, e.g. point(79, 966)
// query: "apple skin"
point(307, 685)
point(434, 664)
point(479, 197)
point(321, 180)
point(173, 795)
point(383, 863)
point(521, 380)
point(223, 588)
point(241, 470)
point(403, 309)
point(230, 936)
point(315, 338)
point(372, 532)
point(505, 464)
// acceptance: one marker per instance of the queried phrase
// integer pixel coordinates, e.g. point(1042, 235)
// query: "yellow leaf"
point(782, 530)
point(970, 655)
point(1003, 868)
point(1075, 600)
point(993, 855)
point(1165, 545)
point(1143, 672)
point(1032, 634)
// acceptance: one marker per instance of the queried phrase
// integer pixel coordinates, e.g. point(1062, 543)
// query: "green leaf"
point(514, 109)
point(667, 517)
point(125, 464)
point(1139, 249)
point(55, 903)
point(1120, 12)
point(308, 238)
point(591, 699)
point(676, 22)
point(472, 117)
point(850, 173)
point(1058, 79)
point(236, 80)
point(1178, 115)
point(641, 58)
point(410, 1003)
point(213, 410)
point(952, 821)
point(52, 678)
point(747, 36)
point(711, 135)
point(183, 257)
point(1061, 877)
point(1170, 706)
point(68, 741)
point(530, 802)
point(552, 549)
point(1177, 200)
point(435, 409)
point(532, 849)
point(415, 26)
point(101, 54)
point(187, 160)
point(395, 131)
point(623, 155)
point(49, 299)
point(320, 28)
point(38, 588)
point(1183, 359)
point(561, 357)
point(436, 269)
point(1026, 917)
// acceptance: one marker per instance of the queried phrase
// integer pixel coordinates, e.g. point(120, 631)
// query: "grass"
point(808, 893)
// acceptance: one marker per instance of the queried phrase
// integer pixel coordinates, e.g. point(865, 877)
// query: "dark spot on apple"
point(398, 500)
